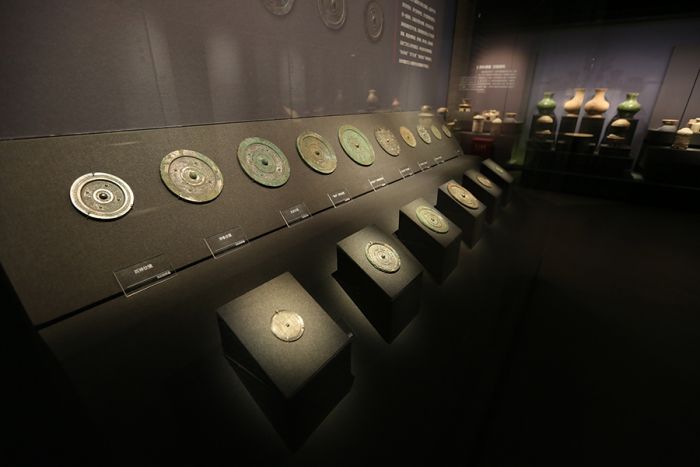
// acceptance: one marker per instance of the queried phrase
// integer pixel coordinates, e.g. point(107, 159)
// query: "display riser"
point(491, 197)
point(388, 314)
point(437, 252)
point(471, 221)
point(296, 419)
point(500, 177)
point(592, 125)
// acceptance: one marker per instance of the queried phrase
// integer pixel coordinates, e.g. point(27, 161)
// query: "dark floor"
point(605, 368)
point(579, 344)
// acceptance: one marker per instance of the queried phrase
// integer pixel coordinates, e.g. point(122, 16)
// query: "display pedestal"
point(296, 383)
point(614, 150)
point(500, 177)
point(659, 138)
point(501, 151)
point(627, 133)
point(511, 128)
point(592, 125)
point(388, 300)
point(489, 195)
point(576, 143)
point(671, 166)
point(437, 252)
point(536, 127)
point(482, 146)
point(471, 221)
point(568, 124)
point(539, 154)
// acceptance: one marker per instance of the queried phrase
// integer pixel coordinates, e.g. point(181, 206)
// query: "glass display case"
point(217, 215)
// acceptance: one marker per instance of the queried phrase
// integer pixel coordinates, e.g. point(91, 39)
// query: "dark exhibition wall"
point(87, 66)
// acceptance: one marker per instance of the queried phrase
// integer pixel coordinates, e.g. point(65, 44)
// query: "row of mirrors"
point(196, 178)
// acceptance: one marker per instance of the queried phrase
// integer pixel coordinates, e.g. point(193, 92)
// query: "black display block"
point(388, 300)
point(671, 166)
point(500, 177)
point(568, 124)
point(471, 221)
point(538, 153)
point(295, 383)
point(438, 252)
point(614, 150)
point(592, 125)
point(578, 143)
point(536, 126)
point(511, 128)
point(490, 196)
point(659, 138)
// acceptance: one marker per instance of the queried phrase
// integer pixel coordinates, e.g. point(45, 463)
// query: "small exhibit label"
point(295, 214)
point(377, 183)
point(406, 172)
point(423, 165)
point(439, 160)
point(339, 197)
point(140, 276)
point(226, 241)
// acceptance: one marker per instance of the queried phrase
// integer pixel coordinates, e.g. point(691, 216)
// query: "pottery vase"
point(396, 105)
point(694, 124)
point(547, 104)
point(573, 105)
point(598, 105)
point(442, 112)
point(511, 117)
point(630, 106)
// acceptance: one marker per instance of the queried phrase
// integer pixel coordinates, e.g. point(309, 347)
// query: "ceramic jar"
point(490, 114)
point(547, 104)
point(496, 126)
point(425, 116)
point(573, 105)
point(442, 112)
point(465, 106)
point(598, 105)
point(630, 106)
point(694, 125)
point(511, 117)
point(682, 139)
point(464, 116)
point(396, 105)
point(425, 111)
point(372, 100)
point(478, 124)
point(669, 125)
